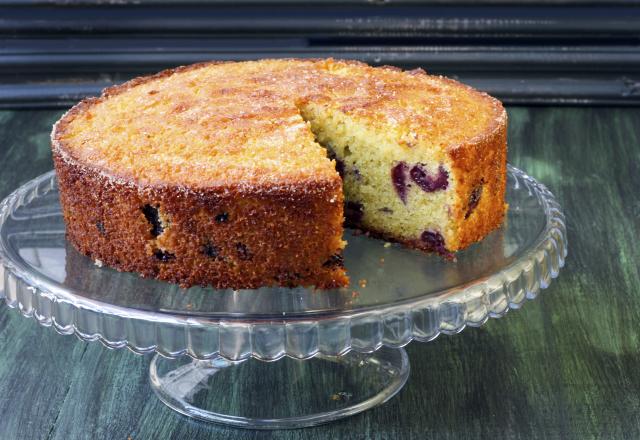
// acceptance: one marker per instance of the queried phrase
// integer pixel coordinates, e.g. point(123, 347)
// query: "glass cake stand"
point(339, 352)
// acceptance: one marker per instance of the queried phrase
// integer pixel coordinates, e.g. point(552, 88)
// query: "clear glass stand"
point(338, 351)
point(275, 395)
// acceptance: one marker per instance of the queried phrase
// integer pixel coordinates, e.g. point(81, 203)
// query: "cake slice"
point(228, 174)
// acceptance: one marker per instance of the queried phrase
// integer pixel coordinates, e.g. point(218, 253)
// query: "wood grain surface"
point(565, 366)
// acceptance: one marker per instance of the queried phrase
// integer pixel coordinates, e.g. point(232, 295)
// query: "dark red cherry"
point(434, 242)
point(399, 179)
point(243, 251)
point(427, 182)
point(152, 216)
point(164, 256)
point(474, 199)
point(210, 250)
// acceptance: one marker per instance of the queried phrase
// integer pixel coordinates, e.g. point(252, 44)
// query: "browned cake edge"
point(479, 168)
point(286, 237)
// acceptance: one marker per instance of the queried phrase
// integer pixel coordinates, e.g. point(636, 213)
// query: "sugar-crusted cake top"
point(218, 123)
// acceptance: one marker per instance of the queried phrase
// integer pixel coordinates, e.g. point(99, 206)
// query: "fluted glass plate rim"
point(531, 270)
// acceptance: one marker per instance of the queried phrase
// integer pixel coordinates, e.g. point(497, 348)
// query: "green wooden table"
point(565, 366)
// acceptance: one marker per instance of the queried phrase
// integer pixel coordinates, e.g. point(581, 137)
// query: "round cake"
point(240, 175)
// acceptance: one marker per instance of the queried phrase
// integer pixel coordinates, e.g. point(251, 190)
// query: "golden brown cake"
point(229, 174)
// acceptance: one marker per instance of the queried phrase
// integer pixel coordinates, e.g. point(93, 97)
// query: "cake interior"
point(403, 197)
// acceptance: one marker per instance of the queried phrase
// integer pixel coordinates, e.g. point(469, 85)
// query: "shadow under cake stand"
point(338, 352)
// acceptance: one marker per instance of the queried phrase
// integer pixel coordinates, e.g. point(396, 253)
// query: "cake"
point(239, 175)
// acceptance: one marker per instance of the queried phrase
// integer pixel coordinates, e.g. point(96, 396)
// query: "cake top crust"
point(215, 124)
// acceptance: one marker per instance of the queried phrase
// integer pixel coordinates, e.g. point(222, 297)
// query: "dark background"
point(565, 366)
point(523, 52)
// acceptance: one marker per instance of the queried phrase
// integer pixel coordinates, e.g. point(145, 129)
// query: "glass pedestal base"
point(288, 393)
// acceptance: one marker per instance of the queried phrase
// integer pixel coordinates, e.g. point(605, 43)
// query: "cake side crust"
point(480, 171)
point(283, 237)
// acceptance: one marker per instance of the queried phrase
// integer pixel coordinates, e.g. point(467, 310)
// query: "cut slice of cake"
point(222, 174)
